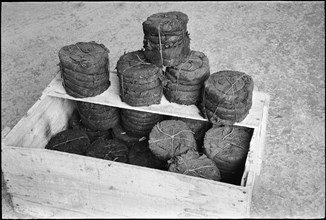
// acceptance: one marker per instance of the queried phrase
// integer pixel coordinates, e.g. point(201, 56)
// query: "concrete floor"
point(280, 44)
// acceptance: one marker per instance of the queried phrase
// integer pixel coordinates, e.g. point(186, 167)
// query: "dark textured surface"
point(193, 164)
point(280, 44)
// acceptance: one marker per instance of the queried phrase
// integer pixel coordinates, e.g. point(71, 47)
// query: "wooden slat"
point(262, 135)
point(255, 154)
point(111, 97)
point(46, 117)
point(56, 184)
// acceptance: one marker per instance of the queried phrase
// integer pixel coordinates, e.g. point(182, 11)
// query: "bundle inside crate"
point(163, 110)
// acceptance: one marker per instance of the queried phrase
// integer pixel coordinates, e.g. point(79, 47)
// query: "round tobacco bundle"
point(173, 55)
point(227, 97)
point(166, 39)
point(182, 97)
point(228, 108)
point(219, 118)
point(198, 127)
point(141, 155)
point(75, 122)
point(170, 138)
point(136, 130)
point(133, 65)
point(192, 164)
point(91, 83)
point(228, 146)
point(142, 93)
point(81, 86)
point(101, 75)
point(135, 86)
point(70, 141)
point(83, 92)
point(141, 116)
point(178, 86)
point(84, 57)
point(228, 85)
point(96, 111)
point(139, 123)
point(169, 23)
point(153, 99)
point(94, 135)
point(112, 149)
point(140, 82)
point(98, 117)
point(82, 65)
point(226, 112)
point(119, 133)
point(195, 70)
point(172, 79)
point(100, 124)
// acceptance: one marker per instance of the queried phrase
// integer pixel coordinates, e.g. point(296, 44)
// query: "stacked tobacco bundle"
point(70, 141)
point(166, 40)
point(138, 123)
point(227, 97)
point(228, 147)
point(98, 117)
point(185, 81)
point(96, 120)
point(140, 82)
point(76, 123)
point(197, 127)
point(85, 69)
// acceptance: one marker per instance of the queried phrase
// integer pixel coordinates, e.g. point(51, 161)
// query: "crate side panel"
point(94, 187)
point(262, 135)
point(254, 157)
point(46, 117)
point(111, 97)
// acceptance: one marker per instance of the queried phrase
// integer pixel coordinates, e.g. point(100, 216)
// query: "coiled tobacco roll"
point(227, 97)
point(192, 164)
point(84, 69)
point(170, 138)
point(166, 39)
point(141, 83)
point(186, 80)
point(228, 147)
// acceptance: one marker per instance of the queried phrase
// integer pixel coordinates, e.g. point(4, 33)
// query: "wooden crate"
point(53, 184)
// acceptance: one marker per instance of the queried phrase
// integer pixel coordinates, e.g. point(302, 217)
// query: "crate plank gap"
point(53, 184)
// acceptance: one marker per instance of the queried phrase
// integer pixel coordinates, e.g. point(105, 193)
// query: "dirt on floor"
point(280, 44)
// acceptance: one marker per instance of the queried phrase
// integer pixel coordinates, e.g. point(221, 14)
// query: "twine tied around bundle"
point(67, 141)
point(222, 147)
point(159, 39)
point(170, 137)
point(193, 171)
point(232, 87)
point(179, 69)
point(112, 153)
point(137, 64)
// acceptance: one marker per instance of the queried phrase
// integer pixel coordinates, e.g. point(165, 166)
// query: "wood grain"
point(49, 183)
